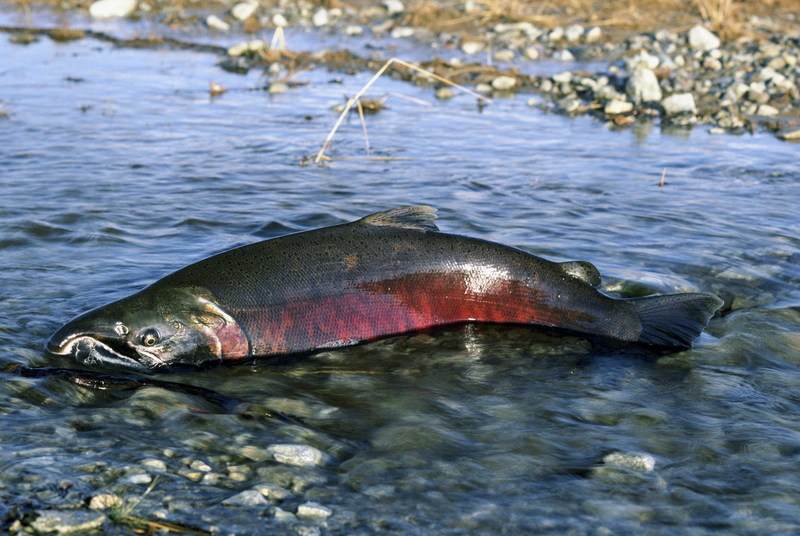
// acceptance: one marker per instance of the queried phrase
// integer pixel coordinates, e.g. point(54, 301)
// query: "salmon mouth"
point(91, 350)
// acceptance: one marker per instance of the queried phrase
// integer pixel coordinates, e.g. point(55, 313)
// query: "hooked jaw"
point(99, 346)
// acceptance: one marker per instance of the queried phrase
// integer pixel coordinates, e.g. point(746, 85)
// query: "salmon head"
point(152, 329)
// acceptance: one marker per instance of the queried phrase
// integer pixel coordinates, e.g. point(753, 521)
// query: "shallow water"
point(116, 167)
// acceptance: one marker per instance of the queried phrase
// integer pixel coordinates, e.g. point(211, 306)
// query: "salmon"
point(386, 274)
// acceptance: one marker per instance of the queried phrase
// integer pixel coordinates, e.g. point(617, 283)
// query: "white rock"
point(200, 465)
point(277, 87)
point(243, 10)
point(594, 34)
point(155, 464)
point(241, 48)
point(254, 453)
point(142, 478)
point(679, 103)
point(471, 47)
point(320, 17)
point(615, 107)
point(104, 501)
point(312, 510)
point(249, 497)
point(573, 32)
point(353, 29)
point(110, 9)
point(279, 20)
point(504, 83)
point(563, 78)
point(402, 31)
point(504, 55)
point(532, 53)
point(702, 39)
point(638, 462)
point(445, 93)
point(393, 7)
point(643, 86)
point(216, 23)
point(300, 455)
point(271, 491)
point(642, 59)
point(767, 110)
point(556, 34)
point(563, 55)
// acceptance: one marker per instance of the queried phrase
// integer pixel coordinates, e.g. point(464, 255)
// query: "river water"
point(116, 167)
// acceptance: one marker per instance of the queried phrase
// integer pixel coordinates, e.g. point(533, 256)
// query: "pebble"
point(247, 46)
point(279, 20)
point(556, 34)
point(244, 10)
point(702, 39)
point(254, 453)
point(790, 134)
point(66, 522)
point(593, 34)
point(272, 491)
point(321, 17)
point(394, 7)
point(767, 110)
point(300, 455)
point(532, 53)
point(248, 497)
point(353, 30)
point(154, 464)
point(679, 103)
point(504, 83)
point(200, 465)
point(194, 476)
point(642, 86)
point(504, 55)
point(616, 107)
point(276, 88)
point(312, 510)
point(637, 462)
point(282, 515)
point(140, 479)
point(110, 9)
point(472, 47)
point(104, 501)
point(445, 93)
point(573, 33)
point(563, 55)
point(216, 23)
point(402, 32)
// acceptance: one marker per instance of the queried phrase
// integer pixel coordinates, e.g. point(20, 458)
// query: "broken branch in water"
point(352, 101)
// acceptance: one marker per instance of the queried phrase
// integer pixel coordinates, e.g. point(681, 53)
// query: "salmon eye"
point(150, 337)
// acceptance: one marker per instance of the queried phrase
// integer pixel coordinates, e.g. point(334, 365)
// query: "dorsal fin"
point(585, 271)
point(419, 218)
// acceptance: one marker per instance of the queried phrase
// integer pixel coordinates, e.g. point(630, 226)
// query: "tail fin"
point(674, 320)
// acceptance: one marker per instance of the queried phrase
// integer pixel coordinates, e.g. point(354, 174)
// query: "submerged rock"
point(66, 522)
point(300, 455)
point(312, 510)
point(248, 497)
point(504, 83)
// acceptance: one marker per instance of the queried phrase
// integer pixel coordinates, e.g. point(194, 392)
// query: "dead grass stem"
point(356, 99)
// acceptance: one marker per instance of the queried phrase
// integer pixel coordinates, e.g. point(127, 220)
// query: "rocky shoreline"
point(685, 79)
